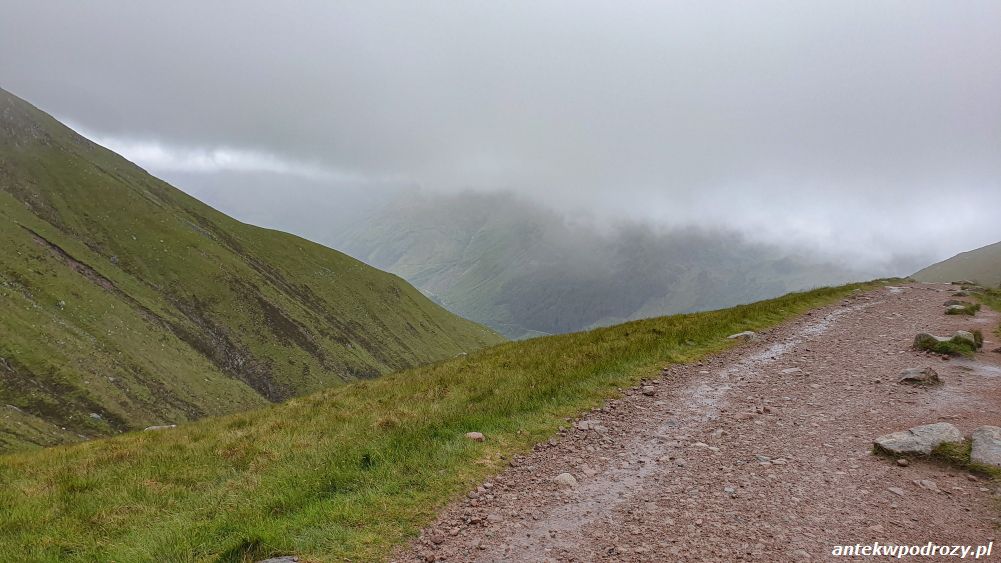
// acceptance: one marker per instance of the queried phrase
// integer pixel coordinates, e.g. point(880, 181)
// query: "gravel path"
point(762, 453)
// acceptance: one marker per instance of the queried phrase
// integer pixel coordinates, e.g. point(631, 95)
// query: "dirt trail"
point(762, 453)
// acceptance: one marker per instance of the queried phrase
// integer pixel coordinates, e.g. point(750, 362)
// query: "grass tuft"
point(957, 454)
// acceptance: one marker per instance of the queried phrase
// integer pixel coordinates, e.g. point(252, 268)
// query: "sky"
point(864, 130)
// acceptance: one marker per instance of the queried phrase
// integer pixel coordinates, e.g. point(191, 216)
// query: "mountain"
point(525, 270)
point(982, 266)
point(126, 303)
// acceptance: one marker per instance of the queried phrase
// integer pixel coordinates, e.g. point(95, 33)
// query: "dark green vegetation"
point(991, 298)
point(982, 266)
point(955, 346)
point(125, 303)
point(970, 309)
point(345, 473)
point(957, 454)
point(525, 270)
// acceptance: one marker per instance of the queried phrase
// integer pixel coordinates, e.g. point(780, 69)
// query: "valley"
point(526, 270)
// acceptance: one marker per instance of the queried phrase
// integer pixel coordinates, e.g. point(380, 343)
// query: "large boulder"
point(986, 446)
point(920, 440)
point(919, 376)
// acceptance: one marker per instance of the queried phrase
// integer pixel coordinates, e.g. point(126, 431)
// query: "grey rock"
point(590, 425)
point(746, 335)
point(919, 376)
point(919, 440)
point(965, 335)
point(952, 302)
point(285, 559)
point(565, 480)
point(955, 307)
point(160, 427)
point(986, 446)
point(474, 436)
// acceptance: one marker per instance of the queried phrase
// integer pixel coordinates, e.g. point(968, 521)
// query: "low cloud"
point(864, 130)
point(162, 158)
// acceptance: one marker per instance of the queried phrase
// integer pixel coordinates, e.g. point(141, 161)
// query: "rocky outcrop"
point(986, 446)
point(920, 440)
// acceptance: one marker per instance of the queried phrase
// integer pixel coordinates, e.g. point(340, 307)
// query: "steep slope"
point(982, 266)
point(524, 270)
point(124, 302)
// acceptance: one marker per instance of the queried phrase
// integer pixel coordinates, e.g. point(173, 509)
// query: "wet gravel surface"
point(762, 453)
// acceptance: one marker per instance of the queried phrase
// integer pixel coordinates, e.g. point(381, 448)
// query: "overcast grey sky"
point(844, 126)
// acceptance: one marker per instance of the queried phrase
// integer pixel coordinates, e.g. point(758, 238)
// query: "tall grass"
point(991, 298)
point(346, 473)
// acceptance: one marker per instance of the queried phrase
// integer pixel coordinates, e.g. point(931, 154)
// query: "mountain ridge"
point(126, 302)
point(981, 265)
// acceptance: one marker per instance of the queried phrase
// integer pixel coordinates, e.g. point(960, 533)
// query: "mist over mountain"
point(524, 269)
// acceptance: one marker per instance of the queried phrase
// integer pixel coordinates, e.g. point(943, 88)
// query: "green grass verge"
point(991, 298)
point(347, 473)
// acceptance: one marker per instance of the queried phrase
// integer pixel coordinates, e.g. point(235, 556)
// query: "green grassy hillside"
point(347, 473)
point(982, 266)
point(126, 303)
point(525, 270)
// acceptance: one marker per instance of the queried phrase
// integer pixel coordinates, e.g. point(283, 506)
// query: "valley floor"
point(760, 453)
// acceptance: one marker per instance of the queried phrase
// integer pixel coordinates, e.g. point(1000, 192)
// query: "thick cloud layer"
point(866, 130)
